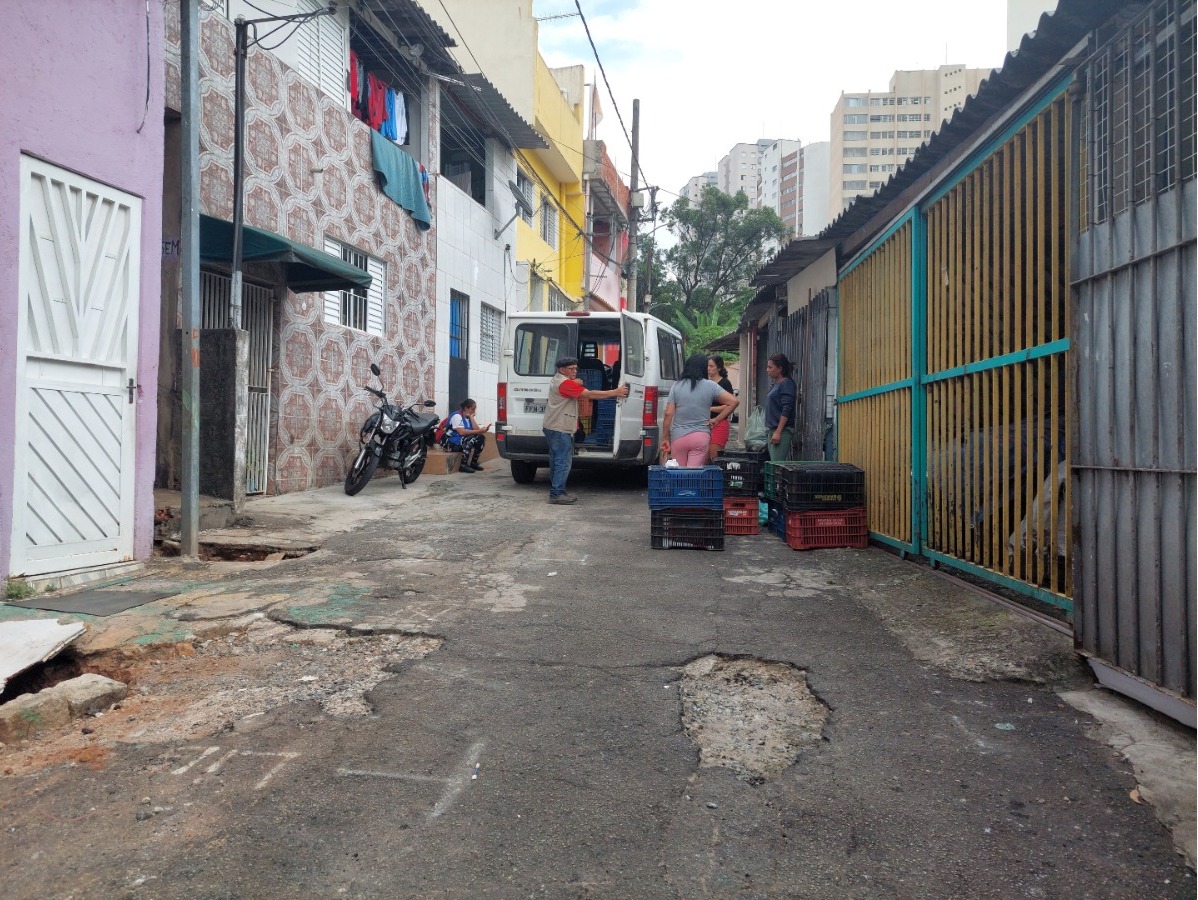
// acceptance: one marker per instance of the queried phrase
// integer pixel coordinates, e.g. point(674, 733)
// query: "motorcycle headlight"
point(388, 424)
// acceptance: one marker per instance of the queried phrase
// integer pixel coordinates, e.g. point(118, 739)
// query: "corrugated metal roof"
point(478, 95)
point(1037, 53)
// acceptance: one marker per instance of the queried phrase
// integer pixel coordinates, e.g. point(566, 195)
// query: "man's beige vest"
point(561, 413)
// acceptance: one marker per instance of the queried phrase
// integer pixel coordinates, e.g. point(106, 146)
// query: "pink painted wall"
point(75, 94)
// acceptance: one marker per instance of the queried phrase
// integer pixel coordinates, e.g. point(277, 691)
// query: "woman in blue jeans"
point(780, 405)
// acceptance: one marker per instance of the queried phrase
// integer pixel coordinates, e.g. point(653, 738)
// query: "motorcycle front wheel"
point(361, 471)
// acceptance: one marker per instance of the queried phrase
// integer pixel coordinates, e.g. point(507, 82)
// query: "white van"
point(613, 348)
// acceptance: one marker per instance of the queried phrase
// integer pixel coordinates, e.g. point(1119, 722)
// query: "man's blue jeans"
point(561, 457)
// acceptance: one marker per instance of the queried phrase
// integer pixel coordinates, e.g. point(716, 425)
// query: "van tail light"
point(649, 415)
point(501, 403)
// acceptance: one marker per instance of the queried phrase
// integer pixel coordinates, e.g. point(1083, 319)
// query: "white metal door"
point(76, 366)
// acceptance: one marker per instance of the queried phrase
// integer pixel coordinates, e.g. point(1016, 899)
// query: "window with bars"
point(558, 301)
point(524, 185)
point(459, 325)
point(490, 330)
point(1140, 111)
point(357, 308)
point(548, 222)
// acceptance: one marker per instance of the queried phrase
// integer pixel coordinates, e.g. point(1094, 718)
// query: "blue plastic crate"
point(700, 487)
point(592, 379)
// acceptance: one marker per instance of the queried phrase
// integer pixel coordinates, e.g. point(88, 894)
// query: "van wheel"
point(523, 472)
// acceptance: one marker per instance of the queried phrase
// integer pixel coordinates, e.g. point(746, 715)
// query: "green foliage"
point(721, 243)
point(18, 589)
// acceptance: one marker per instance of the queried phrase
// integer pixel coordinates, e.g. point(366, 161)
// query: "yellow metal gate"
point(955, 388)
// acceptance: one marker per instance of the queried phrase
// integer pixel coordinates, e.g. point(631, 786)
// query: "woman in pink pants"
point(694, 406)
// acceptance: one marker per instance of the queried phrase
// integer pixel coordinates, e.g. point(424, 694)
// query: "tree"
point(721, 244)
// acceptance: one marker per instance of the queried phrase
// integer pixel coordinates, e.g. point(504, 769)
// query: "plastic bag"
point(757, 436)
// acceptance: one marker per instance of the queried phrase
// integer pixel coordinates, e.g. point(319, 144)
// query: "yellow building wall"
point(557, 174)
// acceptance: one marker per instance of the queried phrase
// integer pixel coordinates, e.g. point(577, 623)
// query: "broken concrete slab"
point(54, 707)
point(31, 641)
point(90, 693)
point(30, 714)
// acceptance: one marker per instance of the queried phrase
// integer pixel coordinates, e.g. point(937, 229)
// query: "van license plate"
point(534, 407)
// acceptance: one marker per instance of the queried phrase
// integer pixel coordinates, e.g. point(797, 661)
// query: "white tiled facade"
point(473, 262)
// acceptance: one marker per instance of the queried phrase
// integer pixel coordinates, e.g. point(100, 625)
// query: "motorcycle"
point(392, 437)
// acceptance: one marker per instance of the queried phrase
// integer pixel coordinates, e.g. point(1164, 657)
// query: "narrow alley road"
point(476, 694)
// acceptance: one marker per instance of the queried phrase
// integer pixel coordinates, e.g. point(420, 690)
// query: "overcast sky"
point(710, 75)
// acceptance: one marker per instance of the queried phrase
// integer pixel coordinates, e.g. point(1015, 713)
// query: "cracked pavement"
point(467, 692)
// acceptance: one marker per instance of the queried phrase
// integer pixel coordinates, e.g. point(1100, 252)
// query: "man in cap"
point(561, 421)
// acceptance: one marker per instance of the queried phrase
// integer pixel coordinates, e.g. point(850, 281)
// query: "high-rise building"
point(770, 169)
point(813, 188)
point(874, 133)
point(693, 189)
point(739, 170)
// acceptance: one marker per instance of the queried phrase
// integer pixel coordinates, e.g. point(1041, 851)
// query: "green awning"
point(304, 268)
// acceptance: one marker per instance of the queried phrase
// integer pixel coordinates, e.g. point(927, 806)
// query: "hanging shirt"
point(401, 118)
point(351, 84)
point(388, 127)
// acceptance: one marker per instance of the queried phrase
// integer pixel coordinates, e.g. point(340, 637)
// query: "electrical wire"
point(587, 28)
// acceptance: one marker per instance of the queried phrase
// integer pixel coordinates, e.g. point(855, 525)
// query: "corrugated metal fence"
point(1135, 458)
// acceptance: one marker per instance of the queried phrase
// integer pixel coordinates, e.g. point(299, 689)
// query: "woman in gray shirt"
point(689, 413)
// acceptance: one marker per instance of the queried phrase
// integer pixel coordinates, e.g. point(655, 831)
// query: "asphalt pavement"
point(464, 691)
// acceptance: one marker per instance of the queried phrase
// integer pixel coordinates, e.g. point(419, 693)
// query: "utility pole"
point(189, 294)
point(632, 207)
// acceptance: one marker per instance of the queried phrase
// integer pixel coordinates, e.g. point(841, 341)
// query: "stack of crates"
point(603, 425)
point(776, 521)
point(687, 508)
point(822, 504)
point(742, 485)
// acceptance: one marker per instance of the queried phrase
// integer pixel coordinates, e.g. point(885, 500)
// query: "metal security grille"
point(459, 324)
point(558, 301)
point(549, 222)
point(258, 320)
point(490, 327)
point(874, 416)
point(354, 301)
point(1140, 109)
point(997, 388)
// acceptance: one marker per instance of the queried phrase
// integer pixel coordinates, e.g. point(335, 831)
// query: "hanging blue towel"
point(399, 176)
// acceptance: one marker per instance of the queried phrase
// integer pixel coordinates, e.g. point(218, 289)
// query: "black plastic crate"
point(761, 456)
point(742, 475)
point(820, 485)
point(687, 528)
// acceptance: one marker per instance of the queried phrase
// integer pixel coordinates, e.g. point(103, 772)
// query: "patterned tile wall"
point(308, 175)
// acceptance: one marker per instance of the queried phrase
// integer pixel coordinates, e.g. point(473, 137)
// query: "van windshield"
point(539, 345)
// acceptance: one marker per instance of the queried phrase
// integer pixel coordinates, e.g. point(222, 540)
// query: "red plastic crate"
point(740, 515)
point(823, 528)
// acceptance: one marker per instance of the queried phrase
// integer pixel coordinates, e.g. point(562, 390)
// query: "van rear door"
point(537, 345)
point(635, 371)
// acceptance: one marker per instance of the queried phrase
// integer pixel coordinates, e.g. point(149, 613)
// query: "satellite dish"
point(521, 201)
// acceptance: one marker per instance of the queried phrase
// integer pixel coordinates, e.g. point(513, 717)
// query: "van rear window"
point(669, 351)
point(539, 345)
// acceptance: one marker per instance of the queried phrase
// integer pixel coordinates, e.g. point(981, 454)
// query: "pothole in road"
point(748, 715)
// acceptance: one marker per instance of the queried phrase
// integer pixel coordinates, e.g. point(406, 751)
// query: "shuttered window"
point(357, 308)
